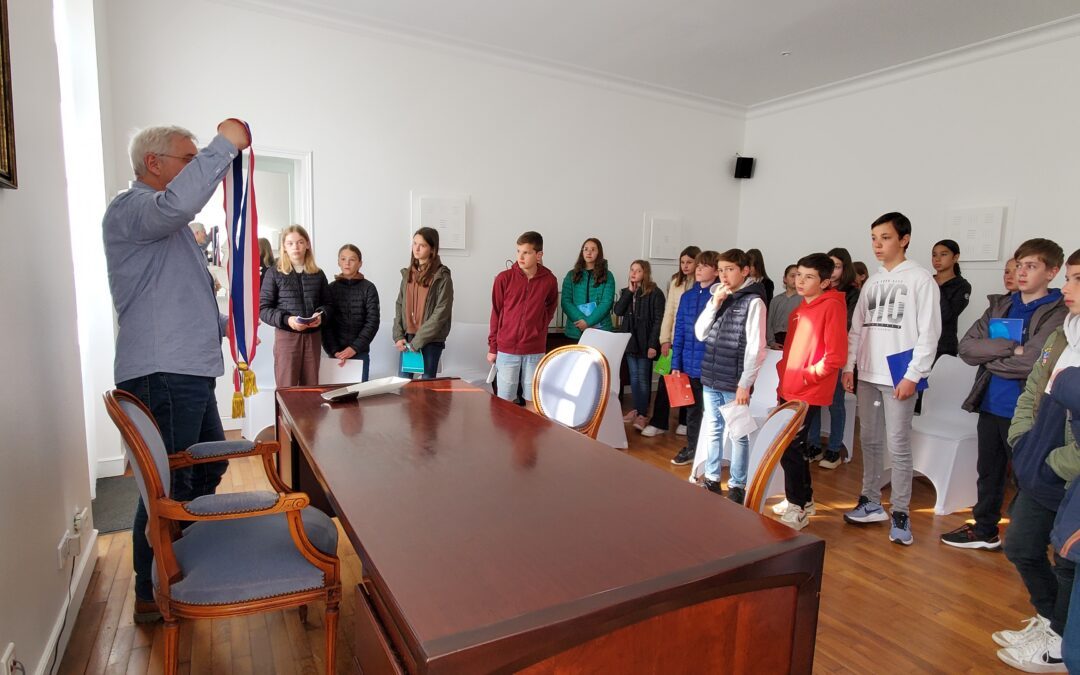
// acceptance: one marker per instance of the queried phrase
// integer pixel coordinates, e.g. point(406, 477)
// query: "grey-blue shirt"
point(163, 293)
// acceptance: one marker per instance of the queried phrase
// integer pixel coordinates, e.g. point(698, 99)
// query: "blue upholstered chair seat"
point(220, 448)
point(226, 561)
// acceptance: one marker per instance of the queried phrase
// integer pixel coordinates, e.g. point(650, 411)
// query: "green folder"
point(412, 362)
point(663, 364)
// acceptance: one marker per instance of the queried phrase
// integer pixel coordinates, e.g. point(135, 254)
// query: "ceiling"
point(727, 51)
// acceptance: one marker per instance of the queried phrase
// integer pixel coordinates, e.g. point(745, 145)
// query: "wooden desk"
point(495, 541)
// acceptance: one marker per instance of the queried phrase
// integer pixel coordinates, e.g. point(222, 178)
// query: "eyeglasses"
point(186, 159)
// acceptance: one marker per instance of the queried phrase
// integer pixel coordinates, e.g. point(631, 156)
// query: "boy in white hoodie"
point(899, 310)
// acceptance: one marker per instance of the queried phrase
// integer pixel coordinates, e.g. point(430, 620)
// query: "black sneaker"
point(967, 537)
point(814, 453)
point(685, 456)
point(831, 460)
point(712, 486)
point(736, 494)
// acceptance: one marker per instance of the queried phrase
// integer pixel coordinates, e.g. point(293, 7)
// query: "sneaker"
point(640, 422)
point(685, 456)
point(630, 416)
point(649, 431)
point(680, 430)
point(900, 532)
point(781, 508)
point(736, 494)
point(866, 511)
point(712, 486)
point(831, 460)
point(1040, 654)
point(966, 537)
point(146, 611)
point(814, 453)
point(795, 517)
point(1035, 625)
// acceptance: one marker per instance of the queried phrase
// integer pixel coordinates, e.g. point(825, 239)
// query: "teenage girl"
point(295, 299)
point(424, 303)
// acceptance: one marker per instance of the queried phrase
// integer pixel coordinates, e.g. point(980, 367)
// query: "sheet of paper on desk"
point(383, 385)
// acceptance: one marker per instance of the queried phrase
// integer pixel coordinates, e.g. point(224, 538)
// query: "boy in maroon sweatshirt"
point(815, 350)
point(523, 302)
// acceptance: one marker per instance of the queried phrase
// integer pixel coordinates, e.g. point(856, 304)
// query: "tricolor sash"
point(241, 226)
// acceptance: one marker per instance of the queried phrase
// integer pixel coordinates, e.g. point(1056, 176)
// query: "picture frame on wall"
point(8, 176)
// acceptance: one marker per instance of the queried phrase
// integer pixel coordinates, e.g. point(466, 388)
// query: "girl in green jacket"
point(588, 291)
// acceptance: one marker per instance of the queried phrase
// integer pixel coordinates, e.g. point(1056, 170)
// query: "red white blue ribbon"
point(241, 226)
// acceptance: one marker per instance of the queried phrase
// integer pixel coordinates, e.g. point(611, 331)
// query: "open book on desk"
point(383, 385)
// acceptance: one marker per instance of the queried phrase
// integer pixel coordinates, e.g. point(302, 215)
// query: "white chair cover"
point(612, 345)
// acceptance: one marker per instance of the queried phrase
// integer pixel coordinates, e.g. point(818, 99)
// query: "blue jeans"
point(1070, 647)
point(837, 420)
point(510, 368)
point(185, 409)
point(431, 352)
point(713, 428)
point(366, 358)
point(640, 368)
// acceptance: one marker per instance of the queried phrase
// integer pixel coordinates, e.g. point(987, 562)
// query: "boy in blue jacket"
point(687, 350)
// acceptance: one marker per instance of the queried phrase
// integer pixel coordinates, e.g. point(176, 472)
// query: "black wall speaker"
point(744, 167)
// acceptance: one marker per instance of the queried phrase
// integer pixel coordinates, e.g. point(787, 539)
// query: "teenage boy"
point(523, 301)
point(733, 327)
point(815, 350)
point(898, 316)
point(1046, 459)
point(1004, 364)
point(687, 350)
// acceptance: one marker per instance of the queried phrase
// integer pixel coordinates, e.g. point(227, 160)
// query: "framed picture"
point(7, 124)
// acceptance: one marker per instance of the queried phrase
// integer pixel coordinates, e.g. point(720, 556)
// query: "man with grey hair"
point(168, 345)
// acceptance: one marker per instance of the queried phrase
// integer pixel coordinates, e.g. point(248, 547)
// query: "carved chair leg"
point(172, 640)
point(330, 624)
point(303, 613)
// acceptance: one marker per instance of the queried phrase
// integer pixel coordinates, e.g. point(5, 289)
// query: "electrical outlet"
point(7, 661)
point(78, 520)
point(70, 546)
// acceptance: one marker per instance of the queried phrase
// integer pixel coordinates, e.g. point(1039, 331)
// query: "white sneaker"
point(1036, 655)
point(782, 507)
point(680, 430)
point(796, 518)
point(1035, 625)
point(651, 431)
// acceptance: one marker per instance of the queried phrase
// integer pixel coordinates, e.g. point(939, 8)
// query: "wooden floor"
point(885, 608)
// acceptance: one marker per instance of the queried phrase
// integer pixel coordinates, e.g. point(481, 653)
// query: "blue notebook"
point(898, 365)
point(1010, 329)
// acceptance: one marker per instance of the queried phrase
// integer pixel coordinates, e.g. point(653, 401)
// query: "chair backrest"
point(950, 382)
point(772, 439)
point(146, 449)
point(571, 387)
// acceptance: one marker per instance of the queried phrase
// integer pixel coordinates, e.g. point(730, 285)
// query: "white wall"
point(1000, 131)
point(43, 463)
point(382, 118)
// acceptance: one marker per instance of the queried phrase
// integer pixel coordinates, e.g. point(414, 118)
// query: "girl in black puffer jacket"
point(295, 299)
point(356, 311)
point(641, 306)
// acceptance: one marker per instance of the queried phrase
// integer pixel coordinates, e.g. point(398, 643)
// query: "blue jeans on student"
point(366, 358)
point(713, 428)
point(185, 409)
point(837, 420)
point(431, 352)
point(1070, 646)
point(510, 368)
point(640, 368)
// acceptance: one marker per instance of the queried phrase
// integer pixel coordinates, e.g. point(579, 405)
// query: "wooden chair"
point(772, 439)
point(244, 552)
point(571, 387)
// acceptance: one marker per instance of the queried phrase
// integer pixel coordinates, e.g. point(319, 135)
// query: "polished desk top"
point(479, 520)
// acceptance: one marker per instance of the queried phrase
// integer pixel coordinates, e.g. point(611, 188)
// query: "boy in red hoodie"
point(815, 350)
point(523, 301)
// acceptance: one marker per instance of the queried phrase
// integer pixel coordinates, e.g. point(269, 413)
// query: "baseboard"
point(111, 466)
point(83, 571)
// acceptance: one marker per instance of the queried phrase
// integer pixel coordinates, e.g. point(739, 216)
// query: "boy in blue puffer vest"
point(732, 326)
point(687, 350)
